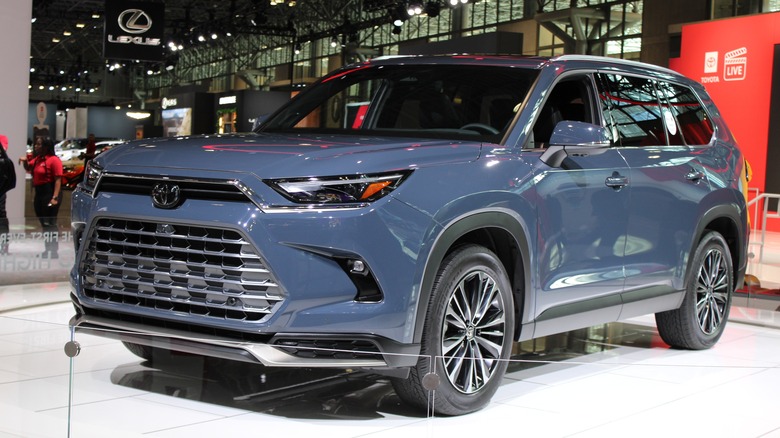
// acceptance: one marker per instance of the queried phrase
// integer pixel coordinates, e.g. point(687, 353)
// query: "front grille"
point(210, 273)
point(190, 189)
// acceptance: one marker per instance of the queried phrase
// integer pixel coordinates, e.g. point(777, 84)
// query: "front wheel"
point(700, 320)
point(468, 332)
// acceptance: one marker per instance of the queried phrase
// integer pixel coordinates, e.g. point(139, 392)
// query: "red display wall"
point(733, 58)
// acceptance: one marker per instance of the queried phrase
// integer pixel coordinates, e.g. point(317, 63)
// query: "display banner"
point(134, 30)
point(733, 59)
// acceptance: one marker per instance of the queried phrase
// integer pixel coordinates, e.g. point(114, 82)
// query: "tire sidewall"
point(456, 266)
point(710, 241)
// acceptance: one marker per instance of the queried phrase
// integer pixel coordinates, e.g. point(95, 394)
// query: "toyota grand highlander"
point(416, 216)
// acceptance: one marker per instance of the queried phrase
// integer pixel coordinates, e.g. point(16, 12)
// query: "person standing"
point(4, 224)
point(89, 153)
point(46, 170)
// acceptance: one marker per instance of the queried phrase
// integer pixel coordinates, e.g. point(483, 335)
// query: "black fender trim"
point(739, 221)
point(458, 228)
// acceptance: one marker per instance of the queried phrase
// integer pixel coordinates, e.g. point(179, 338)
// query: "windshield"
point(431, 101)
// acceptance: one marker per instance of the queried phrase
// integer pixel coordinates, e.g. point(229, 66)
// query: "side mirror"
point(570, 133)
point(570, 137)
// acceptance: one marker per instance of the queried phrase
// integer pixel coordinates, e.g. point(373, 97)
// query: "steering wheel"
point(481, 128)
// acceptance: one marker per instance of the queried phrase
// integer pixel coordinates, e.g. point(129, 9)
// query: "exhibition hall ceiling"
point(70, 32)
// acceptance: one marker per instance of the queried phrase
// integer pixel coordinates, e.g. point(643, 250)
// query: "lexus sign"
point(134, 30)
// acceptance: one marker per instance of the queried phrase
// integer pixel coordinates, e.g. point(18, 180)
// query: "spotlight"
point(334, 42)
point(297, 49)
point(415, 8)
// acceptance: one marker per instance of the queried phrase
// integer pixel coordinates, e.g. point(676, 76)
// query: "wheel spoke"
point(454, 363)
point(473, 331)
point(493, 348)
point(487, 294)
point(712, 291)
point(452, 342)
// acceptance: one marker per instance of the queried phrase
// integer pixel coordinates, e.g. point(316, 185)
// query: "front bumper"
point(282, 350)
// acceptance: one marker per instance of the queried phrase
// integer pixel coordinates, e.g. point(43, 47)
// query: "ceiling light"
point(138, 115)
point(80, 25)
point(55, 40)
point(66, 33)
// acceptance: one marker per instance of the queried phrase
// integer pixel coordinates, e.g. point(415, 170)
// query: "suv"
point(417, 215)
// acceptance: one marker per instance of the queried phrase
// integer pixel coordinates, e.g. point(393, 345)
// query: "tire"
point(452, 333)
point(700, 320)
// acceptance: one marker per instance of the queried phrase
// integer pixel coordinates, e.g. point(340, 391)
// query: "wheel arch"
point(500, 231)
point(727, 221)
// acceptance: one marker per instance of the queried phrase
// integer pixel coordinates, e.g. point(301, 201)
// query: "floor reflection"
point(343, 394)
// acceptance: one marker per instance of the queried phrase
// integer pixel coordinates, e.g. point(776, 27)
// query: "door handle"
point(694, 175)
point(616, 181)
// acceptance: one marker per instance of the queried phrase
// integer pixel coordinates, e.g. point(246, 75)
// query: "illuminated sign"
point(167, 103)
point(134, 30)
point(227, 100)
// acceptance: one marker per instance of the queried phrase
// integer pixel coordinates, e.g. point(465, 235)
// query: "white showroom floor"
point(615, 380)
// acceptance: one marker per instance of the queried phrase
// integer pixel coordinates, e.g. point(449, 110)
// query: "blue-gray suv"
point(416, 216)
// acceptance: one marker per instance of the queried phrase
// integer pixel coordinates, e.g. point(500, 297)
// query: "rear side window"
point(693, 121)
point(635, 113)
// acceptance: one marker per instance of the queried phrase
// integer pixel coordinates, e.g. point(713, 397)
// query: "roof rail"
point(613, 60)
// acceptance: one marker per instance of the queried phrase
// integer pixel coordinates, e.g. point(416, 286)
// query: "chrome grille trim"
point(202, 272)
point(220, 190)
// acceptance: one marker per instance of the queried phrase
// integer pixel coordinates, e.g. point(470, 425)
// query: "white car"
point(72, 151)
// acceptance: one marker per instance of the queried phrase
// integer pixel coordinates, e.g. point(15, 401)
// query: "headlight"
point(91, 176)
point(351, 190)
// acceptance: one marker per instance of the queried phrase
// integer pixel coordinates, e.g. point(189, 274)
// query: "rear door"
point(667, 183)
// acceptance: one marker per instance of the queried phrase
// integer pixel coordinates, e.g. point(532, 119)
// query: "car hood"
point(275, 155)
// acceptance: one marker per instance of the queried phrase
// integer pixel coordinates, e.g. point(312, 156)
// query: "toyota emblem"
point(166, 195)
point(134, 21)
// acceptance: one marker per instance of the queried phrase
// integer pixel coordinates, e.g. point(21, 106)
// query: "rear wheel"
point(468, 332)
point(700, 320)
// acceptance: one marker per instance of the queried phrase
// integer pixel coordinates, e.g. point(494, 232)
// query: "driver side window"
point(571, 100)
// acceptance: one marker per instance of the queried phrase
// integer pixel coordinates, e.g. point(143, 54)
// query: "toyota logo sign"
point(166, 195)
